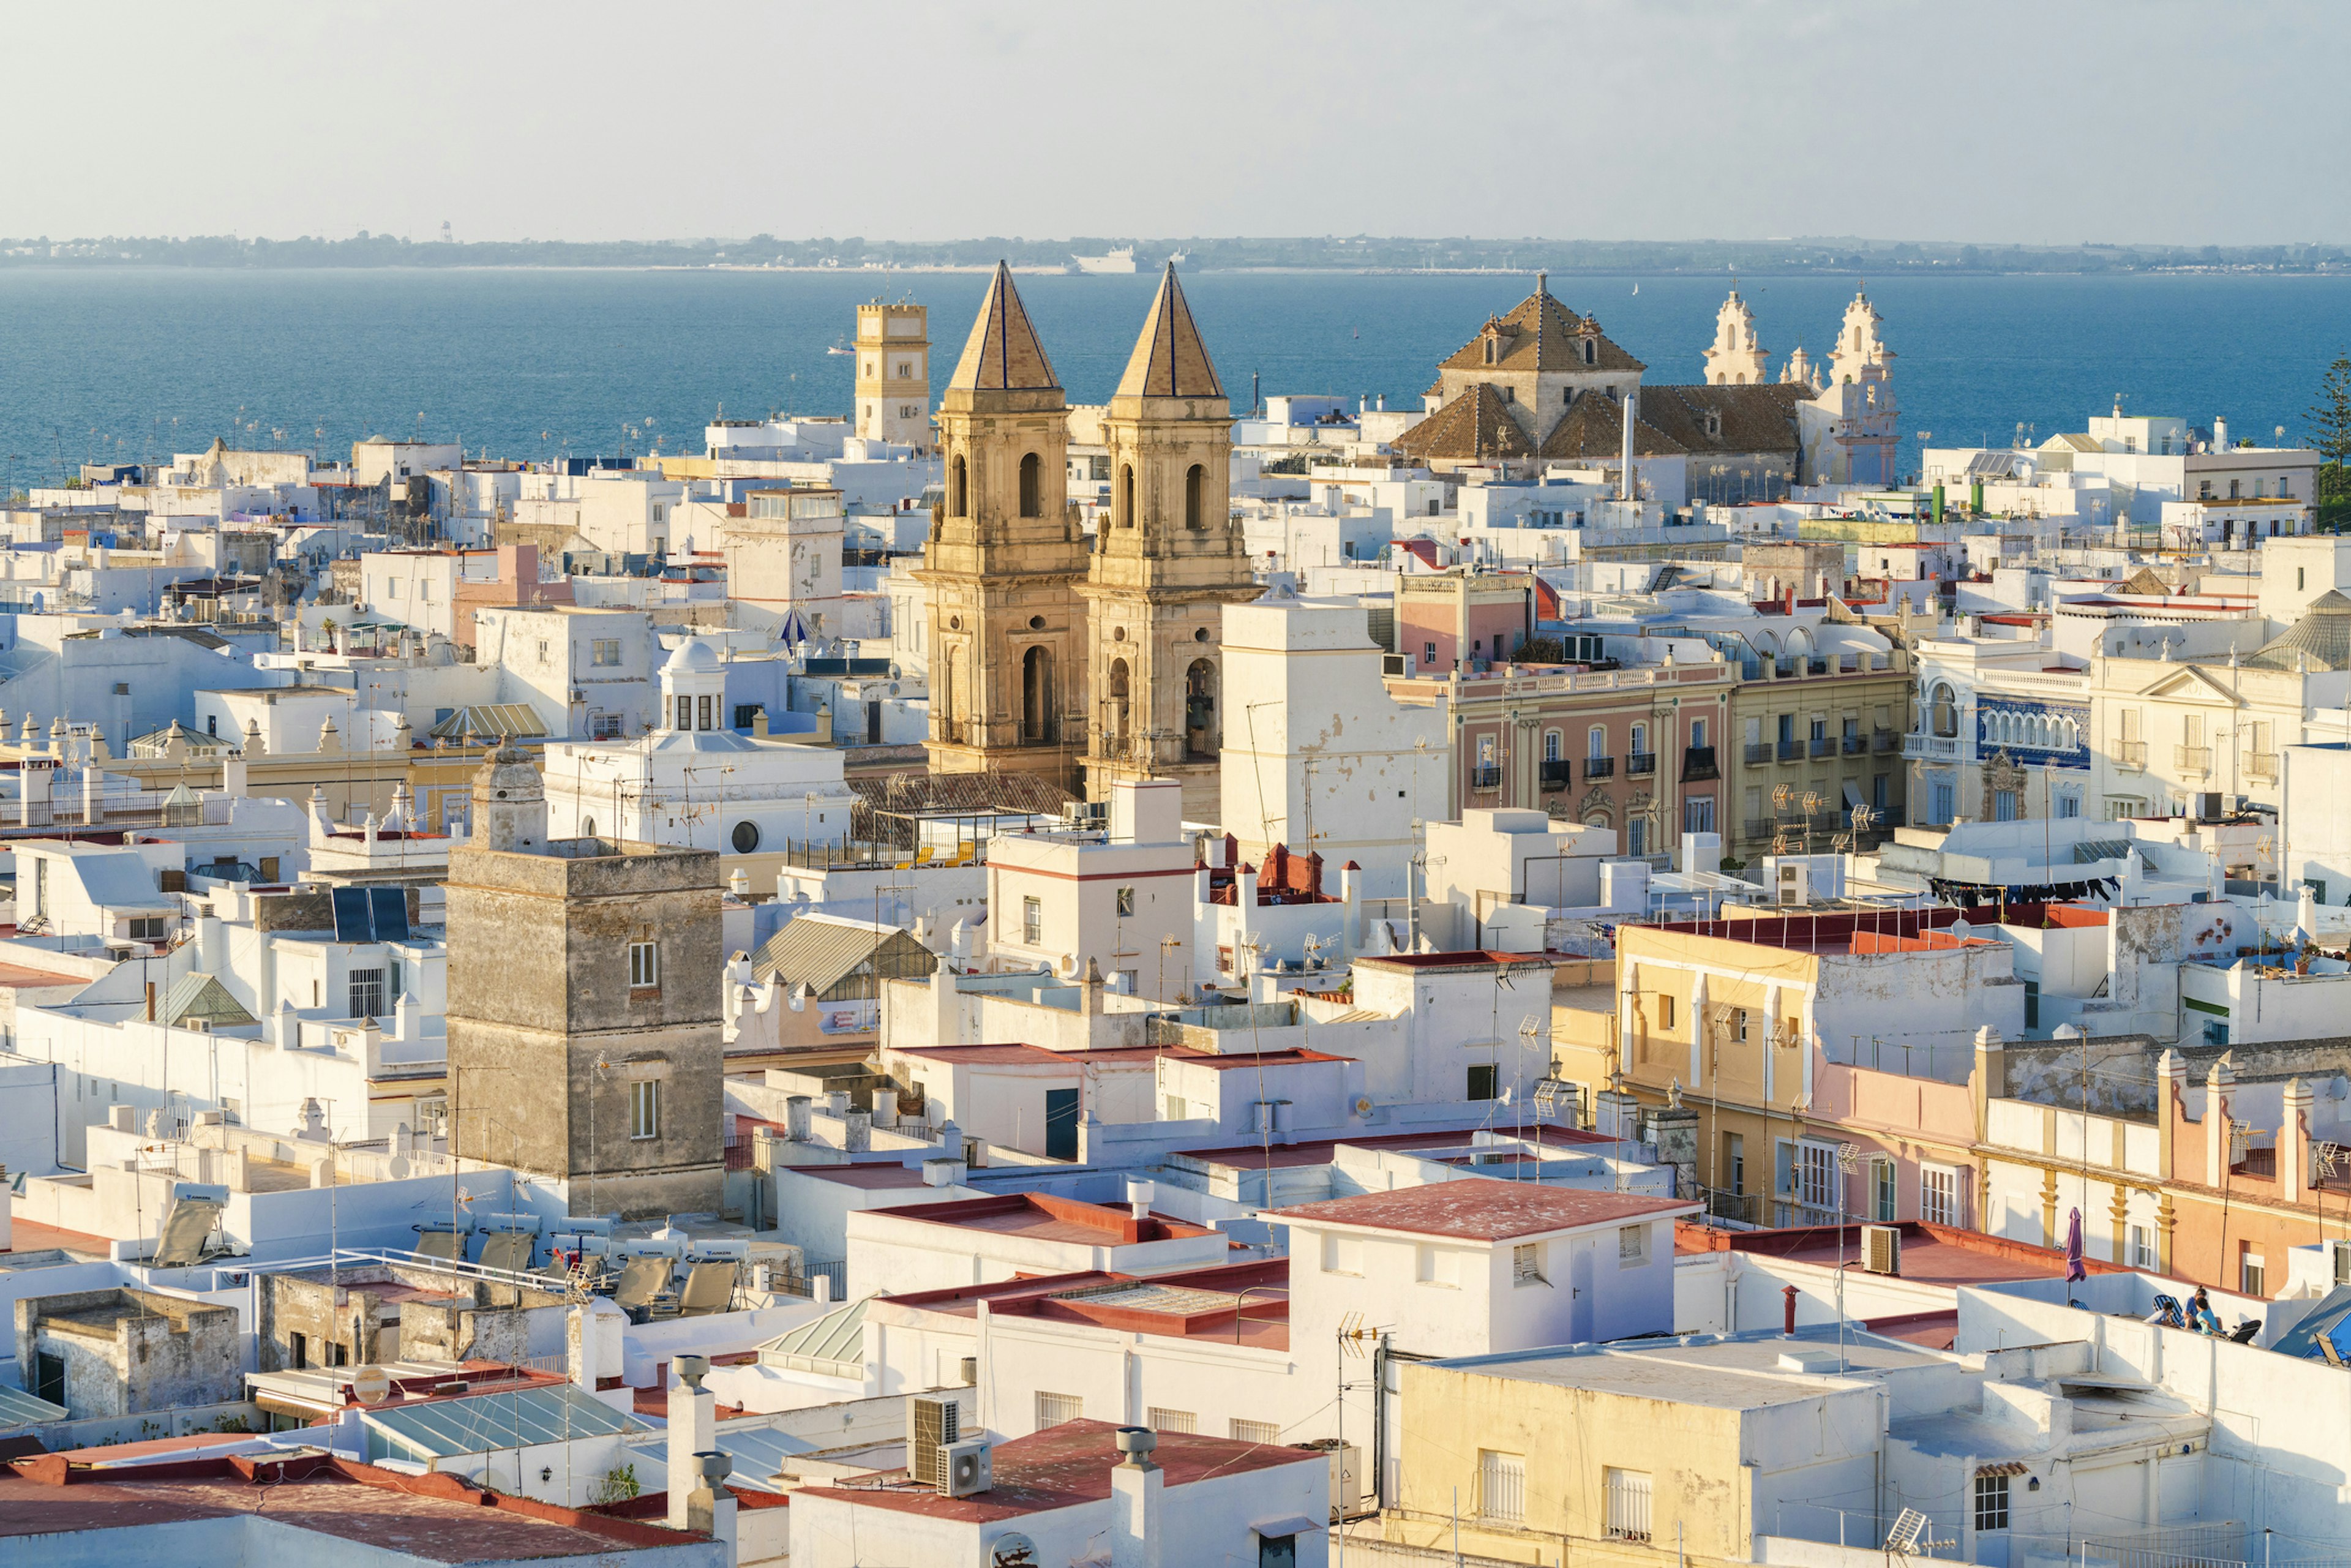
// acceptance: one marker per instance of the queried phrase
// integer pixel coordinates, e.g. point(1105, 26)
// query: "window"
point(146, 927)
point(603, 727)
point(1938, 1194)
point(1884, 1188)
point(1255, 1431)
point(2003, 805)
point(644, 965)
point(1029, 475)
point(1194, 482)
point(1032, 921)
point(1814, 1176)
point(366, 993)
point(1126, 901)
point(1698, 815)
point(1735, 1160)
point(1527, 1264)
point(1595, 742)
point(1991, 1503)
point(1162, 1420)
point(604, 652)
point(1697, 733)
point(1739, 1025)
point(1942, 803)
point(2069, 803)
point(2142, 1247)
point(1052, 1409)
point(1277, 1552)
point(2252, 1274)
point(542, 649)
point(1341, 1254)
point(702, 713)
point(685, 713)
point(1628, 1503)
point(644, 1108)
point(1631, 1246)
point(1664, 1010)
point(1636, 837)
point(1501, 1487)
point(1481, 1084)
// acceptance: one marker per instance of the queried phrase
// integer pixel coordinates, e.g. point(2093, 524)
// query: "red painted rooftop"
point(1067, 1465)
point(26, 1236)
point(1931, 1254)
point(1321, 1150)
point(1045, 1217)
point(1480, 1208)
point(1224, 1304)
point(877, 1176)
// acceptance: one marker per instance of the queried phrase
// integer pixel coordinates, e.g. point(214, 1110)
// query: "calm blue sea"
point(125, 365)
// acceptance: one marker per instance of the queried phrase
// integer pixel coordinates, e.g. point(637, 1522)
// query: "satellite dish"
point(370, 1385)
point(1012, 1549)
point(1363, 1105)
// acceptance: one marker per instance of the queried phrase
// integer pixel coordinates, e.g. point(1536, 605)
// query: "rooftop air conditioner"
point(933, 1426)
point(1881, 1250)
point(1396, 664)
point(2339, 1255)
point(966, 1468)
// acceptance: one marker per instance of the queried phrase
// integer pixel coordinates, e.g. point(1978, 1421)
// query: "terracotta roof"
point(1002, 354)
point(1480, 1208)
point(1593, 426)
point(1475, 425)
point(1751, 418)
point(1067, 1465)
point(1540, 334)
point(1169, 360)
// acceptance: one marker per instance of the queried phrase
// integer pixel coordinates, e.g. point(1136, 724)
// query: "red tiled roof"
point(1480, 1208)
point(1063, 1466)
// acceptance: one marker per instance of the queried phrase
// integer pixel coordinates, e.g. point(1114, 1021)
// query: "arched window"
point(1116, 720)
point(958, 491)
point(1200, 708)
point(1125, 505)
point(1195, 480)
point(1028, 500)
point(1591, 352)
point(1037, 695)
point(1945, 711)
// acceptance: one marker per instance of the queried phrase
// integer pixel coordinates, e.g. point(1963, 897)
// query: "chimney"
point(692, 1409)
point(799, 1118)
point(1632, 406)
point(1140, 1191)
point(1137, 1486)
point(711, 1508)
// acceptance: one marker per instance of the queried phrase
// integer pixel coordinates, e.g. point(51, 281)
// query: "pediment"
point(2194, 685)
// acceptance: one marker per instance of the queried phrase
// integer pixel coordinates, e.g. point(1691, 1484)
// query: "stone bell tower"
point(1167, 559)
point(1007, 628)
point(1736, 358)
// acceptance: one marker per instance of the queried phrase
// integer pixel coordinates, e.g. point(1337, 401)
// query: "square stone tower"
point(893, 372)
point(584, 1027)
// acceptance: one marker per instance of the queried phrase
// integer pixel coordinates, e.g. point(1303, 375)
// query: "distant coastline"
point(1359, 254)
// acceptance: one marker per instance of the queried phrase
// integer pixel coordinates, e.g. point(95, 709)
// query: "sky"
point(2028, 122)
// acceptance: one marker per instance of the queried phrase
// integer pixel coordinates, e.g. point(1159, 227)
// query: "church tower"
point(1736, 358)
point(1007, 628)
point(1167, 559)
point(1859, 348)
point(893, 372)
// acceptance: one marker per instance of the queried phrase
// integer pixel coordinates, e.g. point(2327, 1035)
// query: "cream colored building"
point(783, 557)
point(1166, 561)
point(893, 372)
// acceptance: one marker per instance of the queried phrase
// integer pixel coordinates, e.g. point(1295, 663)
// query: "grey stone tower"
point(584, 1030)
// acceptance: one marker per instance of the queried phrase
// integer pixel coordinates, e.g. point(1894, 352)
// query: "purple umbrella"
point(2074, 1267)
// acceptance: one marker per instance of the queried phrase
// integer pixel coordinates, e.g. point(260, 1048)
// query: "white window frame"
point(1630, 1501)
point(1631, 1246)
point(1527, 1265)
point(644, 1109)
point(1032, 920)
point(1942, 1194)
point(1053, 1409)
point(1501, 1487)
point(644, 965)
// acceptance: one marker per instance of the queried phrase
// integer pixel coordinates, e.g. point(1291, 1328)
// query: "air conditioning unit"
point(2339, 1254)
point(1881, 1250)
point(966, 1468)
point(933, 1425)
point(1794, 883)
point(1396, 664)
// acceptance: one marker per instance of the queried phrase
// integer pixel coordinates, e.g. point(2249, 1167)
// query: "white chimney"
point(1136, 1487)
point(1140, 1191)
point(692, 1409)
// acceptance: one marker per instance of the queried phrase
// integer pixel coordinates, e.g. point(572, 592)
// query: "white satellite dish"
point(1012, 1549)
point(370, 1385)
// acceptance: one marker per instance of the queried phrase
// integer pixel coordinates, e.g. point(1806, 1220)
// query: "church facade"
point(1539, 384)
point(1083, 659)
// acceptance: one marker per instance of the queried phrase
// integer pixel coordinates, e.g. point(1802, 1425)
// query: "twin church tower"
point(1053, 653)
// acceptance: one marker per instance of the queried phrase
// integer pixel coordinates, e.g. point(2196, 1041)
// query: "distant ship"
point(841, 347)
point(1119, 260)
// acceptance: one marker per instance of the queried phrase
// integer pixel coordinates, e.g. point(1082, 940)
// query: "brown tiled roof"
point(1002, 354)
point(1594, 427)
point(1478, 423)
point(1169, 360)
point(1753, 418)
point(1542, 334)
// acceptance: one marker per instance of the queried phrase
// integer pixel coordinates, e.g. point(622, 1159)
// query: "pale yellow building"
point(893, 372)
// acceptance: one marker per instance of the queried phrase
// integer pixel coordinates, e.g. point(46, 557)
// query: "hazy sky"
point(2033, 120)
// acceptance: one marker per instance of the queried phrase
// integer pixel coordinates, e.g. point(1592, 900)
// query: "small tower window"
point(1194, 480)
point(956, 489)
point(1126, 496)
point(1029, 467)
point(1591, 352)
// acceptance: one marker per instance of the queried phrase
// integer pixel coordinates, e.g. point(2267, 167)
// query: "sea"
point(136, 364)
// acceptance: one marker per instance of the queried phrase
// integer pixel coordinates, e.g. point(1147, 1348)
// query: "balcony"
point(1856, 744)
point(1599, 768)
point(1642, 764)
point(1697, 764)
point(1485, 776)
point(2261, 764)
point(2131, 753)
point(1823, 746)
point(1555, 773)
point(1919, 744)
point(2193, 761)
point(1759, 751)
point(1883, 740)
point(1792, 750)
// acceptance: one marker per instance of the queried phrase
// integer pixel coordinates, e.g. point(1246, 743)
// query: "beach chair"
point(923, 856)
